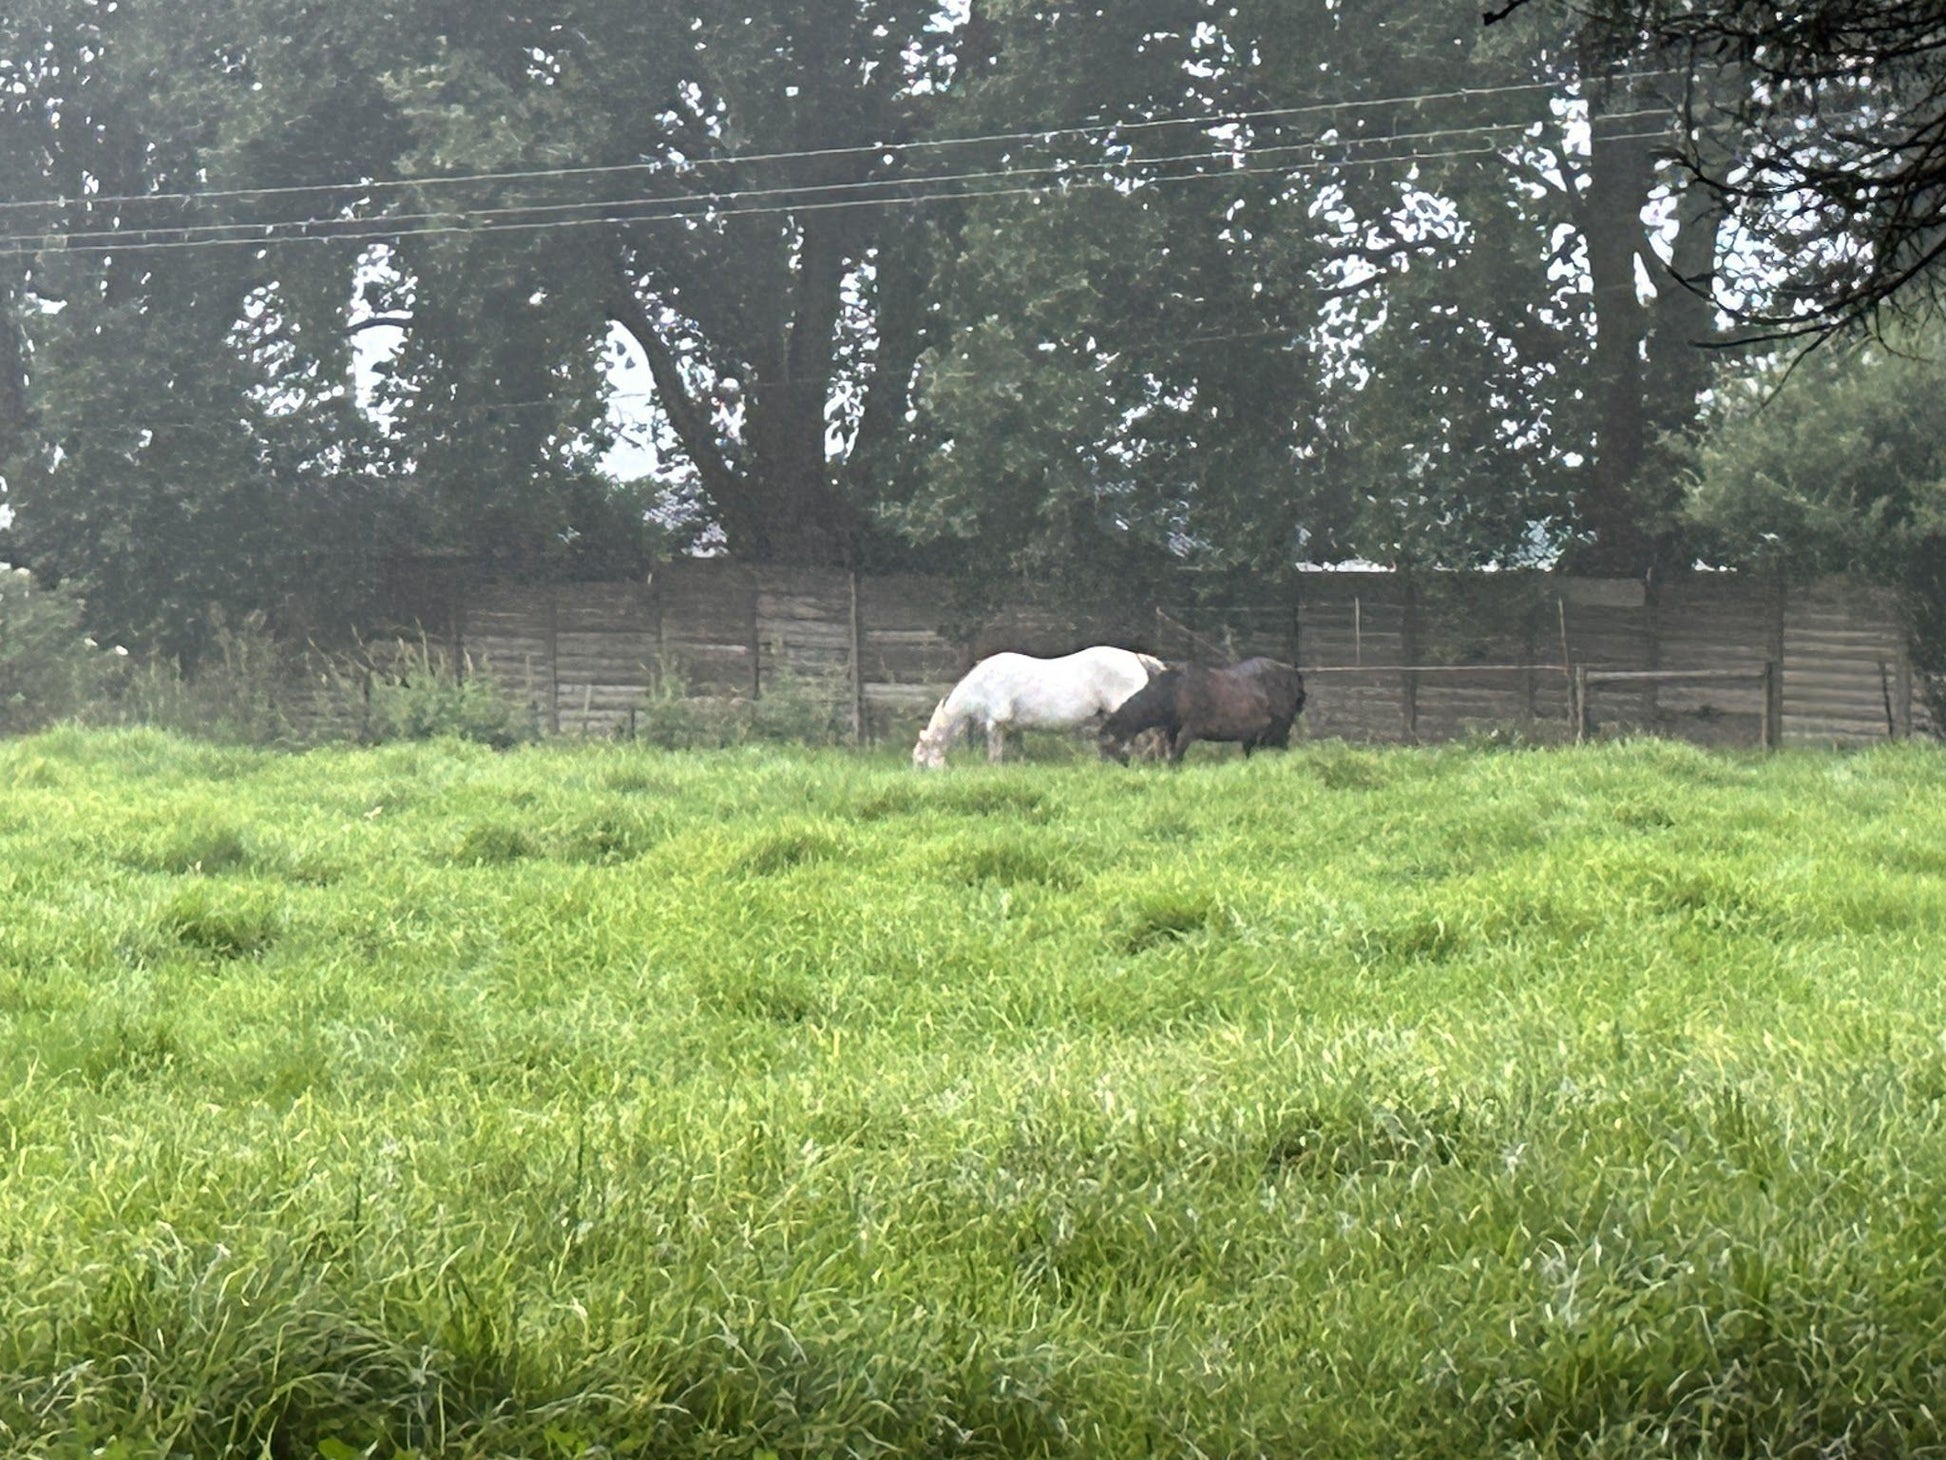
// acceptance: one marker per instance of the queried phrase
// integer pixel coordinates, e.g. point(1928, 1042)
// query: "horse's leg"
point(1178, 743)
point(996, 741)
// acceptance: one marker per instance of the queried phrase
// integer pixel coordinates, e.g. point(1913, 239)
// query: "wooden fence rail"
point(1391, 657)
point(1763, 676)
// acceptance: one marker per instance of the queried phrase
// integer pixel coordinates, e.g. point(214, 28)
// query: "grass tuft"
point(493, 844)
point(1166, 916)
point(229, 919)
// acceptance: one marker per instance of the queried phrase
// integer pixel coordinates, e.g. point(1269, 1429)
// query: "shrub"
point(239, 693)
point(795, 708)
point(49, 668)
point(407, 690)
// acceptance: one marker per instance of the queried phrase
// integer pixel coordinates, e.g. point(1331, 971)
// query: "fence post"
point(1904, 692)
point(857, 666)
point(1584, 719)
point(456, 624)
point(553, 661)
point(756, 641)
point(1652, 613)
point(1297, 629)
point(658, 677)
point(1767, 722)
point(1409, 643)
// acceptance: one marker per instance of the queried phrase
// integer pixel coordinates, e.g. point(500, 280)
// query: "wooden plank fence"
point(1391, 658)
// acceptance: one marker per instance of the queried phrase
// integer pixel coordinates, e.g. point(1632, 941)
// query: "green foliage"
point(1368, 332)
point(424, 1100)
point(49, 668)
point(250, 688)
point(413, 692)
point(238, 691)
point(1835, 462)
point(794, 709)
point(1440, 360)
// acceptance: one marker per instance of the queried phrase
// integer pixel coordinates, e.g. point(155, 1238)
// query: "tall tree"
point(727, 204)
point(162, 435)
point(1837, 179)
point(1439, 329)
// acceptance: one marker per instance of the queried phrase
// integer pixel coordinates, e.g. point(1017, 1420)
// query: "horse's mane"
point(941, 718)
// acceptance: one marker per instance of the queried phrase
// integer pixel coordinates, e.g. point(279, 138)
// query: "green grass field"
point(597, 1101)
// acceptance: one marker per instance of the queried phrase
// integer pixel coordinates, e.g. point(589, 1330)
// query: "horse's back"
point(1027, 690)
point(1282, 685)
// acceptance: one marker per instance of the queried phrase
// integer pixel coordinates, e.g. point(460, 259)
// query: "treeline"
point(293, 291)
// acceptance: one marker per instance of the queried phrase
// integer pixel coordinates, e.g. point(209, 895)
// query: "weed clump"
point(1170, 916)
point(227, 919)
point(492, 844)
point(197, 844)
point(767, 854)
point(794, 708)
point(1010, 863)
point(612, 837)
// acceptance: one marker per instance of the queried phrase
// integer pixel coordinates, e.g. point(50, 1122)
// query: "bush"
point(49, 668)
point(412, 691)
point(237, 694)
point(794, 709)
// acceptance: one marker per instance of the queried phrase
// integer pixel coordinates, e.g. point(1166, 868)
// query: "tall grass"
point(599, 1100)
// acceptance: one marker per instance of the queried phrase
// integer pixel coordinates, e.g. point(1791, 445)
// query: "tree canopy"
point(293, 290)
point(1836, 182)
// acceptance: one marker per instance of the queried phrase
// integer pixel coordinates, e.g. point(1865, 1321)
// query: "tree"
point(1836, 463)
point(1431, 332)
point(161, 432)
point(1837, 181)
point(728, 208)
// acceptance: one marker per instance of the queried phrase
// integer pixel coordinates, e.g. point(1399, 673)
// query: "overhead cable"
point(381, 230)
point(707, 203)
point(872, 149)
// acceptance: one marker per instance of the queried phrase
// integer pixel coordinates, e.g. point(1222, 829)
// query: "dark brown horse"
point(1253, 704)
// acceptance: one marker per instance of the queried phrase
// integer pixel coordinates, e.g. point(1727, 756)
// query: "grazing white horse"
point(1018, 691)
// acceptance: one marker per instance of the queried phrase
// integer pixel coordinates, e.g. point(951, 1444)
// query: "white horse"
point(1018, 691)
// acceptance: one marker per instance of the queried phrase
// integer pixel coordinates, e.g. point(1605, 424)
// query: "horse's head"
point(1151, 708)
point(929, 754)
point(1112, 746)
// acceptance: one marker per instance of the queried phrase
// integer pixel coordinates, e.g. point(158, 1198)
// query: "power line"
point(377, 229)
point(1231, 118)
point(707, 203)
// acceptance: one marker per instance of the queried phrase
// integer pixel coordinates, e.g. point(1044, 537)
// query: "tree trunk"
point(780, 502)
point(13, 378)
point(1621, 174)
